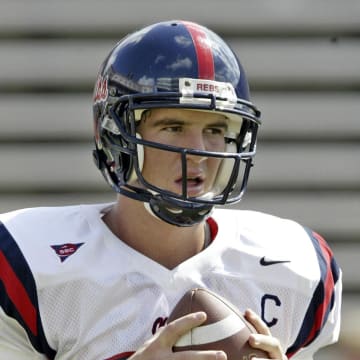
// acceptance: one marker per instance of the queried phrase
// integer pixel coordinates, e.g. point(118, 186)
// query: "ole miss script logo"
point(101, 89)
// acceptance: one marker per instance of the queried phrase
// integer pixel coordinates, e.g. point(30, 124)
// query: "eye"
point(173, 128)
point(215, 131)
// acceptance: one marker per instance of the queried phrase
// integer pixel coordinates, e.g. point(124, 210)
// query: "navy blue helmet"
point(173, 64)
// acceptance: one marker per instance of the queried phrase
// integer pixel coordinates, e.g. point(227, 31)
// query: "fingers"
point(269, 344)
point(160, 347)
point(264, 340)
point(174, 330)
point(257, 322)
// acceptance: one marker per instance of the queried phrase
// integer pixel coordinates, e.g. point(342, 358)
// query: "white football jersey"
point(70, 289)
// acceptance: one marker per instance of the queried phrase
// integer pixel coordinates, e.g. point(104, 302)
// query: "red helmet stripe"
point(203, 51)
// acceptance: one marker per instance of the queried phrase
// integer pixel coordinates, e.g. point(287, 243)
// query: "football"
point(224, 329)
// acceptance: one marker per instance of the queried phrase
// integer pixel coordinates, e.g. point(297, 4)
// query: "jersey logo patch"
point(65, 250)
point(266, 262)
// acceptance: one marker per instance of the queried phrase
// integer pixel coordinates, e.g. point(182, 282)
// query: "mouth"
point(195, 185)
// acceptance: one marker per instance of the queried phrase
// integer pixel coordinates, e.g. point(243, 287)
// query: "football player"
point(175, 137)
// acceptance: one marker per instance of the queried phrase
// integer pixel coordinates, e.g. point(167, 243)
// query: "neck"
point(166, 244)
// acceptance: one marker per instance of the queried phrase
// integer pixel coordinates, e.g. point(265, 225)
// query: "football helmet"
point(175, 65)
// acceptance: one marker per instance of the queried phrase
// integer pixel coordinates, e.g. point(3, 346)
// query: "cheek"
point(214, 164)
point(157, 164)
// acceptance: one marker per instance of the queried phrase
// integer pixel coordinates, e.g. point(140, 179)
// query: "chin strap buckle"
point(179, 213)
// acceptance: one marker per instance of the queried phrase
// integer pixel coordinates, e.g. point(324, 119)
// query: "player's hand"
point(160, 346)
point(264, 340)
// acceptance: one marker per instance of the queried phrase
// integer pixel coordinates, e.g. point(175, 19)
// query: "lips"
point(192, 178)
point(194, 182)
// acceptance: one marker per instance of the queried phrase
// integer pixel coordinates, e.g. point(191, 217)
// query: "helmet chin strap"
point(177, 212)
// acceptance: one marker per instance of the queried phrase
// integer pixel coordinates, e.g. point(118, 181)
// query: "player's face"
point(186, 129)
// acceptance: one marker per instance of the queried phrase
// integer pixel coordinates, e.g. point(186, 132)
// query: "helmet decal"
point(225, 91)
point(203, 50)
point(101, 90)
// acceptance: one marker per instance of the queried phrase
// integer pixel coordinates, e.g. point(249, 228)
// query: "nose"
point(195, 140)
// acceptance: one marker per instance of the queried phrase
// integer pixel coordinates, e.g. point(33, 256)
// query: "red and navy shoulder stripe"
point(323, 298)
point(18, 294)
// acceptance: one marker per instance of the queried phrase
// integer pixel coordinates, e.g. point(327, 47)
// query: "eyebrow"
point(171, 121)
point(168, 121)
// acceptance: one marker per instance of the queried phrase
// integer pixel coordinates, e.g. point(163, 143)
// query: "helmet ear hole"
point(140, 153)
point(140, 159)
point(225, 168)
point(247, 140)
